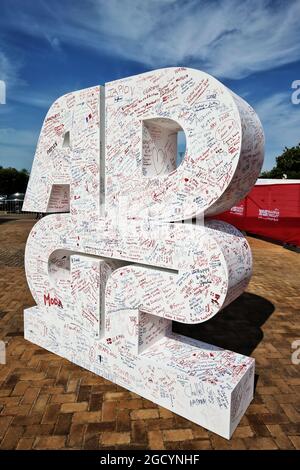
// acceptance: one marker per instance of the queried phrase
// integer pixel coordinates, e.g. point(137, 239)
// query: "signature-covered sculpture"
point(117, 265)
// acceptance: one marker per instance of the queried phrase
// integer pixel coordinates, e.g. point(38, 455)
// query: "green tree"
point(286, 164)
point(13, 181)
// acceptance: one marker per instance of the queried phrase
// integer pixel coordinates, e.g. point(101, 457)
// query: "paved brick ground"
point(48, 403)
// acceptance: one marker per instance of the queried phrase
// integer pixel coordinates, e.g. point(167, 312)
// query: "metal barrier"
point(9, 208)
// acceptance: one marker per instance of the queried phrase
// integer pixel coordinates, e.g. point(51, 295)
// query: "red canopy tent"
point(271, 209)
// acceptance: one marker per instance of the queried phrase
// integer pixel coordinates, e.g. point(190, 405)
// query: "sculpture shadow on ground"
point(236, 328)
point(3, 220)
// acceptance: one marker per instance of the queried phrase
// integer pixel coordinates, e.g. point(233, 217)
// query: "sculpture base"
point(208, 385)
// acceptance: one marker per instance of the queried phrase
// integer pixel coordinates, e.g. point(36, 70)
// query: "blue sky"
point(49, 48)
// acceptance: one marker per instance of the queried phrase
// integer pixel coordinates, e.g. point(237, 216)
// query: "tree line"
point(287, 165)
point(13, 181)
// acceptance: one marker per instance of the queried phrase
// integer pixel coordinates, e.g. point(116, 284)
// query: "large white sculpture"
point(109, 276)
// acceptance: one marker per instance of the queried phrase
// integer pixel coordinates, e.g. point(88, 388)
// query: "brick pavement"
point(48, 403)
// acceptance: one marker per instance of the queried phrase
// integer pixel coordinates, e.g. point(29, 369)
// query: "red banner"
point(269, 210)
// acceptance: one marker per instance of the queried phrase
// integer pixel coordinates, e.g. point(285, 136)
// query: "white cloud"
point(228, 38)
point(35, 99)
point(9, 70)
point(17, 137)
